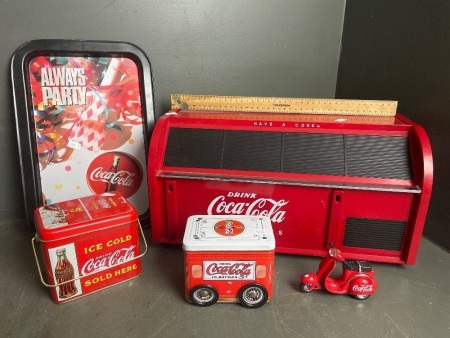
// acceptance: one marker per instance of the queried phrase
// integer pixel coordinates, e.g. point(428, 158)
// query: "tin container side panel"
point(228, 271)
point(99, 259)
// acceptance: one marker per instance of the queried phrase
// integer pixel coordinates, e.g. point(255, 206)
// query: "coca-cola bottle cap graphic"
point(229, 227)
point(114, 171)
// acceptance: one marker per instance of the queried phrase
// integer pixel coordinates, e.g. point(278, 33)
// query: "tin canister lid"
point(224, 233)
point(82, 215)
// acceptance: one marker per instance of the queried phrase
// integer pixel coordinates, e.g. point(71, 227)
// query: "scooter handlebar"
point(335, 253)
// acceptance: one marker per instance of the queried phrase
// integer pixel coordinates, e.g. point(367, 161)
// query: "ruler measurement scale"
point(284, 105)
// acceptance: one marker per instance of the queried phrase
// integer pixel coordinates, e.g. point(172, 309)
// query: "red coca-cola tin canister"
point(229, 259)
point(87, 244)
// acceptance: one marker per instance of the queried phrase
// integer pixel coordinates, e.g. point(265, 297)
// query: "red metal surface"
point(228, 289)
point(306, 210)
point(100, 236)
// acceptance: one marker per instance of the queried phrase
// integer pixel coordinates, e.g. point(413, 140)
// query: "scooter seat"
point(354, 265)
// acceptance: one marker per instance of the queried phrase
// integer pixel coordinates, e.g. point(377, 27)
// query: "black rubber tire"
point(361, 297)
point(305, 288)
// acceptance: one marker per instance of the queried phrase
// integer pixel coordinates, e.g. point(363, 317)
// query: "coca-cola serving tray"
point(84, 111)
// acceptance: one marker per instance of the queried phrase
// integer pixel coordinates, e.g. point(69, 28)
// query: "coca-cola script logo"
point(102, 263)
point(363, 288)
point(229, 227)
point(229, 270)
point(258, 207)
point(114, 171)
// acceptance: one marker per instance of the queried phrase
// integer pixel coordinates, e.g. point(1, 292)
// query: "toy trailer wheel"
point(253, 296)
point(204, 295)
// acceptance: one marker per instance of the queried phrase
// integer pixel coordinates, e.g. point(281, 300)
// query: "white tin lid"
point(228, 233)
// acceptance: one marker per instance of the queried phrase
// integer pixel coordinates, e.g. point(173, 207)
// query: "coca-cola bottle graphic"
point(110, 184)
point(64, 272)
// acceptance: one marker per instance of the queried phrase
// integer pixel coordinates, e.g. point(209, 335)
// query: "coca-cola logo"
point(226, 270)
point(229, 227)
point(114, 171)
point(102, 263)
point(363, 288)
point(258, 207)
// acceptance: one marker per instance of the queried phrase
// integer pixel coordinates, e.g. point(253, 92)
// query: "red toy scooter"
point(357, 279)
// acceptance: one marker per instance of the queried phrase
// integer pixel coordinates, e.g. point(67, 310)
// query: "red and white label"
point(229, 227)
point(229, 270)
point(102, 176)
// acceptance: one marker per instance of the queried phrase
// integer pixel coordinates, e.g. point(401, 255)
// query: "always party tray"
point(84, 113)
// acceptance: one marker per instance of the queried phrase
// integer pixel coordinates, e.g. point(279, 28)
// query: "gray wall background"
point(400, 50)
point(250, 48)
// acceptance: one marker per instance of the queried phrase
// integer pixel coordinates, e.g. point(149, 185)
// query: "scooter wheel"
point(360, 297)
point(305, 288)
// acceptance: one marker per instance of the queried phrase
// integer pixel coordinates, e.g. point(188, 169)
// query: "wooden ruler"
point(284, 105)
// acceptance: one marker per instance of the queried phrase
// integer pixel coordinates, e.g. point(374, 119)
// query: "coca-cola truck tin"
point(229, 259)
point(360, 182)
point(87, 244)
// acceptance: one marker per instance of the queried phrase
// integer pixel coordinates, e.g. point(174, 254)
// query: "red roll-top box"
point(88, 244)
point(360, 182)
